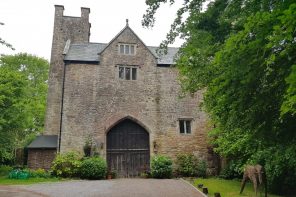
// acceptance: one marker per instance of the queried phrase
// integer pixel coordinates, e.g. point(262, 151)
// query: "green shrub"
point(280, 168)
point(66, 165)
point(93, 168)
point(4, 170)
point(202, 168)
point(187, 165)
point(39, 173)
point(19, 174)
point(231, 171)
point(161, 167)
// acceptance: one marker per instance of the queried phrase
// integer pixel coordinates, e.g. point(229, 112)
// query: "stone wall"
point(77, 30)
point(95, 99)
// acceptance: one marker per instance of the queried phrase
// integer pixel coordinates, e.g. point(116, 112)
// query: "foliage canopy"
point(23, 89)
point(243, 53)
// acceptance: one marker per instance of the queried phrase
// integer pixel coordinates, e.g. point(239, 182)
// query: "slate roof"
point(45, 141)
point(168, 58)
point(89, 52)
point(85, 52)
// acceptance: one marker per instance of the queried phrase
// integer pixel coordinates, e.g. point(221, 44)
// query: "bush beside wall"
point(93, 168)
point(188, 165)
point(161, 167)
point(66, 164)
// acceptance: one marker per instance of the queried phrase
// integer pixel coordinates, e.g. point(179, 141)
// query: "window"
point(134, 73)
point(121, 49)
point(132, 49)
point(185, 126)
point(127, 49)
point(127, 72)
point(121, 72)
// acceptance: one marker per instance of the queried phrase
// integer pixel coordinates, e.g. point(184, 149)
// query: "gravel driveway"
point(104, 188)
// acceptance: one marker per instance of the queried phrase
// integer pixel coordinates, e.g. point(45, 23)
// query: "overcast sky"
point(29, 24)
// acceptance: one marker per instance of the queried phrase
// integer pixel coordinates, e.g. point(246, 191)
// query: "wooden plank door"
point(128, 149)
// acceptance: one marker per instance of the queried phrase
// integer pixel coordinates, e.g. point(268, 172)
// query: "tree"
point(244, 54)
point(246, 97)
point(3, 42)
point(23, 90)
point(12, 88)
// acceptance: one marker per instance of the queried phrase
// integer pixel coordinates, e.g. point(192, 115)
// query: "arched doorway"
point(128, 149)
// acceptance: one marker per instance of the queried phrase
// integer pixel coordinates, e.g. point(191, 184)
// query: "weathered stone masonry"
point(76, 29)
point(85, 85)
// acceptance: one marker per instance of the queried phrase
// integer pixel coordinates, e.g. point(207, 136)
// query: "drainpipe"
point(62, 105)
point(65, 51)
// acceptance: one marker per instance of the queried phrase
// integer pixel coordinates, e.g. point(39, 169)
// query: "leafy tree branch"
point(3, 42)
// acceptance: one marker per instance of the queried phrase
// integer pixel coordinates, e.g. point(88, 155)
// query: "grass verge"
point(6, 181)
point(227, 188)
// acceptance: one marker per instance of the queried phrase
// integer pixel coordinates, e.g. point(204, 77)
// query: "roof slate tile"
point(44, 141)
point(90, 52)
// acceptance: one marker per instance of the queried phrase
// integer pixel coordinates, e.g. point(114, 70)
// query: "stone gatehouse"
point(120, 96)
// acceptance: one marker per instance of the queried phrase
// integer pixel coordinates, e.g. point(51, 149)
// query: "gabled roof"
point(45, 141)
point(90, 52)
point(127, 27)
point(169, 58)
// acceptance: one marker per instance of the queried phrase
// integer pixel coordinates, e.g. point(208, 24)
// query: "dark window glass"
point(134, 73)
point(122, 49)
point(188, 126)
point(127, 73)
point(185, 126)
point(121, 72)
point(181, 125)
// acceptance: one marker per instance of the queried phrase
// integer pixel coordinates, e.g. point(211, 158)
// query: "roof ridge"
point(97, 43)
point(88, 43)
point(168, 47)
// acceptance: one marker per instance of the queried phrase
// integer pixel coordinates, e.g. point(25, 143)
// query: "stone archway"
point(128, 149)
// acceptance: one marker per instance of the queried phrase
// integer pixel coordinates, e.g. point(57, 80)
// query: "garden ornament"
point(257, 175)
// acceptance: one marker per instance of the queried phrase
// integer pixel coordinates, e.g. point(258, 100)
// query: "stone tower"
point(67, 29)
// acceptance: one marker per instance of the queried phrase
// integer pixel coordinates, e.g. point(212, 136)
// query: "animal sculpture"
point(257, 175)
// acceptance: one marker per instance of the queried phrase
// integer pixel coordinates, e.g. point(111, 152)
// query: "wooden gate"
point(128, 149)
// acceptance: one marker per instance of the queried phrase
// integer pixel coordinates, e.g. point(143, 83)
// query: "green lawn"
point(7, 181)
point(227, 188)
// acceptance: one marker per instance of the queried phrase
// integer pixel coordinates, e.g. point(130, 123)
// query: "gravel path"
point(104, 188)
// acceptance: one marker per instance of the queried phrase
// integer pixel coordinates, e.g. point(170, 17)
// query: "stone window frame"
point(133, 72)
point(127, 49)
point(185, 126)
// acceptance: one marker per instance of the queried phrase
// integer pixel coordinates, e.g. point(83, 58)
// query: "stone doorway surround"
point(128, 149)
